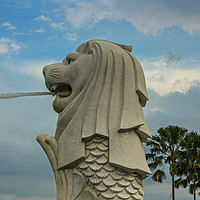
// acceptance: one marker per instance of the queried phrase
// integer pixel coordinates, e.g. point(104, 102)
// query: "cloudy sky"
point(166, 40)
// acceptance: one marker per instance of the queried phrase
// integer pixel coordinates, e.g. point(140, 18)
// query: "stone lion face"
point(68, 78)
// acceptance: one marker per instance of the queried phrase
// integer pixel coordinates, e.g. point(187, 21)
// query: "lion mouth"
point(61, 91)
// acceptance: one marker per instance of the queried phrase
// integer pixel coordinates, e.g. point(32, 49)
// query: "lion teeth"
point(53, 88)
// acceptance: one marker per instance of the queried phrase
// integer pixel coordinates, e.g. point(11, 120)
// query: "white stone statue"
point(97, 150)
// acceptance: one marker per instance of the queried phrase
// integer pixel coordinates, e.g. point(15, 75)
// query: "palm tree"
point(188, 166)
point(164, 148)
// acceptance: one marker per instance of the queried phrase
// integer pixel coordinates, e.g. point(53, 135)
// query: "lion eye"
point(68, 60)
point(71, 57)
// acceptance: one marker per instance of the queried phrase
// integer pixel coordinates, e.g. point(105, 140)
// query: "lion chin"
point(62, 93)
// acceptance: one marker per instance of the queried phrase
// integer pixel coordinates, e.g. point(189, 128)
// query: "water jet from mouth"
point(23, 94)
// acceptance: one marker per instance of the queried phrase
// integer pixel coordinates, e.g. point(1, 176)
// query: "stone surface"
point(97, 150)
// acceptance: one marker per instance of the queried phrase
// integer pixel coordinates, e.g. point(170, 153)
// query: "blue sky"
point(166, 38)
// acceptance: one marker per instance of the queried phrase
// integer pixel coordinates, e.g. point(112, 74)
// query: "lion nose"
point(45, 69)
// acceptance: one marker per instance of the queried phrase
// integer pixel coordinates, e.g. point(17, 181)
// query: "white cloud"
point(8, 46)
point(3, 48)
point(148, 18)
point(169, 74)
point(71, 36)
point(55, 25)
point(60, 25)
point(9, 26)
point(24, 3)
point(19, 3)
point(43, 18)
point(32, 68)
point(18, 33)
point(52, 37)
point(40, 30)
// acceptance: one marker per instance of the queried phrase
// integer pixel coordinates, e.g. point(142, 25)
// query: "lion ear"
point(87, 48)
point(126, 47)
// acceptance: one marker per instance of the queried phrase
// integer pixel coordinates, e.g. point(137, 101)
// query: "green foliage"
point(180, 150)
point(159, 176)
point(188, 165)
point(164, 149)
point(164, 146)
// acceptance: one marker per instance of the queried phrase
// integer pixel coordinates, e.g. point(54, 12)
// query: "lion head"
point(100, 89)
point(67, 79)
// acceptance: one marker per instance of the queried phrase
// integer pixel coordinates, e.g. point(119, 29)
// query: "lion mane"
point(109, 105)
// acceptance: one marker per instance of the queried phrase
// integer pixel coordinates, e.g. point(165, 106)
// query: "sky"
point(165, 36)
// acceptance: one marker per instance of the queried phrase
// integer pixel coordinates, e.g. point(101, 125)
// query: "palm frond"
point(159, 176)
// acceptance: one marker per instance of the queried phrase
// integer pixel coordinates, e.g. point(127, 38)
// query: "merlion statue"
point(97, 150)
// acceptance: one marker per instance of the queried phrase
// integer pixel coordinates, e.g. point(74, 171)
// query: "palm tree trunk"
point(194, 191)
point(173, 187)
point(194, 194)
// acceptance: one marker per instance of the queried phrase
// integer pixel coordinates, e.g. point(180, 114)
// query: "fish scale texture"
point(108, 182)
